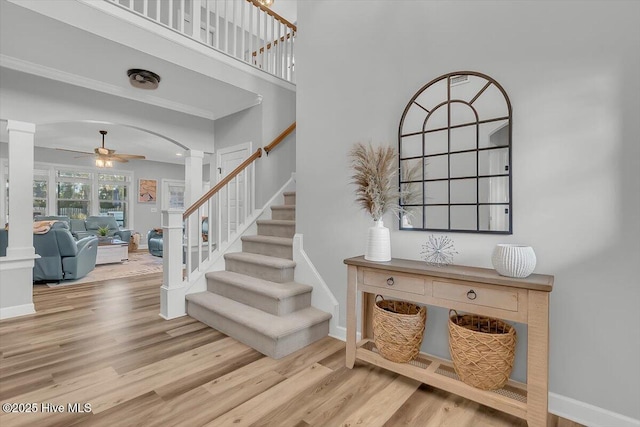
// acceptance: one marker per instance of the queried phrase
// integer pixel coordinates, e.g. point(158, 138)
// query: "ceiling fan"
point(106, 156)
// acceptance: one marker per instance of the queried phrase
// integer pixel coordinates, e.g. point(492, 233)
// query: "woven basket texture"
point(398, 328)
point(482, 350)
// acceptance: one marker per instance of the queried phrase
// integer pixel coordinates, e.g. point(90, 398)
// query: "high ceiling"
point(39, 45)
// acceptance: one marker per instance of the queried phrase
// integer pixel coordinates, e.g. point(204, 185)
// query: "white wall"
point(571, 71)
point(260, 125)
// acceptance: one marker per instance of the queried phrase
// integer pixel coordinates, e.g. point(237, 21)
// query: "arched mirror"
point(455, 156)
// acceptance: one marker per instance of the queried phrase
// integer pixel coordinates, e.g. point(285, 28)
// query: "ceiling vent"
point(143, 79)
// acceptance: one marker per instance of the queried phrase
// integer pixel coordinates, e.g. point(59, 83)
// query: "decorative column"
point(193, 190)
point(193, 176)
point(16, 268)
point(172, 301)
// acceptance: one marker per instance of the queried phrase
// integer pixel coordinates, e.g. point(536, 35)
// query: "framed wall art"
point(147, 190)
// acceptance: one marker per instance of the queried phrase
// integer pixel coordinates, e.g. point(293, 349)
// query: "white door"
point(234, 197)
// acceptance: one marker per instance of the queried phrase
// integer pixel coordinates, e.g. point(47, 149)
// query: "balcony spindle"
point(181, 16)
point(196, 19)
point(242, 14)
point(266, 40)
point(251, 43)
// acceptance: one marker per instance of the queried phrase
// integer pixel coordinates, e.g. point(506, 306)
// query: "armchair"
point(154, 242)
point(93, 223)
point(61, 257)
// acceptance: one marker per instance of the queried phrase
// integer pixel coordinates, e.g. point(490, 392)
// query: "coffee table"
point(112, 250)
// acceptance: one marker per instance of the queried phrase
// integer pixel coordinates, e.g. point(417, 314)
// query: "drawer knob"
point(390, 281)
point(472, 294)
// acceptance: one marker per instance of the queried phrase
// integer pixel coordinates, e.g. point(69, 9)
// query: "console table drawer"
point(506, 299)
point(390, 280)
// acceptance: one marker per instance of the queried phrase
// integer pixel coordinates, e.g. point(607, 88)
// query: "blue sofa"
point(61, 256)
point(93, 223)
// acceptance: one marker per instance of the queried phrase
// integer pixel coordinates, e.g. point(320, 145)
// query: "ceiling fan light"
point(108, 164)
point(100, 163)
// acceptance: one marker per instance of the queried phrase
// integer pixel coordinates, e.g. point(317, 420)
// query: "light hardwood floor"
point(104, 344)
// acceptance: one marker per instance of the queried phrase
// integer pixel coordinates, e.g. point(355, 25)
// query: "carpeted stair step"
point(290, 198)
point(281, 247)
point(260, 266)
point(271, 335)
point(276, 227)
point(287, 212)
point(278, 299)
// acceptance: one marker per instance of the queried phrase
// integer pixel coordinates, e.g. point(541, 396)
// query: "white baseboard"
point(321, 297)
point(586, 414)
point(16, 310)
point(565, 407)
point(341, 334)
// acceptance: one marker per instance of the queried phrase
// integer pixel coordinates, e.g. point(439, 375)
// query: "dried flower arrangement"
point(374, 169)
point(374, 172)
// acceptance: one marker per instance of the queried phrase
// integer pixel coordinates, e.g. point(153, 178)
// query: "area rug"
point(140, 262)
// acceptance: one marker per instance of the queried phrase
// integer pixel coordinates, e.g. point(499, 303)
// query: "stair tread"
point(278, 291)
point(284, 241)
point(289, 193)
point(265, 260)
point(274, 327)
point(283, 207)
point(276, 222)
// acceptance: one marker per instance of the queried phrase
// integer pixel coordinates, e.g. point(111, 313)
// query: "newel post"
point(172, 291)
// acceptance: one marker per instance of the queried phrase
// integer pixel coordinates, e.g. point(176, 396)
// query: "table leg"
point(352, 279)
point(538, 359)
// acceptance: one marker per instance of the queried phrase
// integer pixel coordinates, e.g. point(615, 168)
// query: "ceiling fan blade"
point(118, 159)
point(129, 156)
point(74, 151)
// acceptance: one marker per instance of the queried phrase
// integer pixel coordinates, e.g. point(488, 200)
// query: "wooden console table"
point(469, 289)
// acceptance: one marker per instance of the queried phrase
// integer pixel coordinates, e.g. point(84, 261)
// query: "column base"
point(172, 302)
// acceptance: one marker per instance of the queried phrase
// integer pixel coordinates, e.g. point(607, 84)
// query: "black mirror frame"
point(448, 102)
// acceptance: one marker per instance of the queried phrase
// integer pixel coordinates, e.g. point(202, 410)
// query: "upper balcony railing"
point(243, 29)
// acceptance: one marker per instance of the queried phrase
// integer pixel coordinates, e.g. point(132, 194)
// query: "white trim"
point(587, 414)
point(321, 297)
point(17, 126)
point(16, 310)
point(99, 86)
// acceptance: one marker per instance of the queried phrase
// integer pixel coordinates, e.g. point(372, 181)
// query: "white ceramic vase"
point(378, 243)
point(514, 260)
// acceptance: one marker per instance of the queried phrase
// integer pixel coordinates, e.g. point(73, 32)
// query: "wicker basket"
point(482, 349)
point(398, 327)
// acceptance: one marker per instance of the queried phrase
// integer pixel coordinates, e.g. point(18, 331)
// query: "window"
point(73, 191)
point(172, 194)
point(74, 194)
point(113, 196)
point(40, 186)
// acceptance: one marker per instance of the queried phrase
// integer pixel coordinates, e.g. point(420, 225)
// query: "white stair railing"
point(243, 29)
point(215, 220)
point(193, 240)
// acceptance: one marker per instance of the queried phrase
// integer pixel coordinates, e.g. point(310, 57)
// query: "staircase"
point(255, 299)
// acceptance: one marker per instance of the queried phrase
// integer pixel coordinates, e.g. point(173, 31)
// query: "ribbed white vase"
point(378, 243)
point(514, 260)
